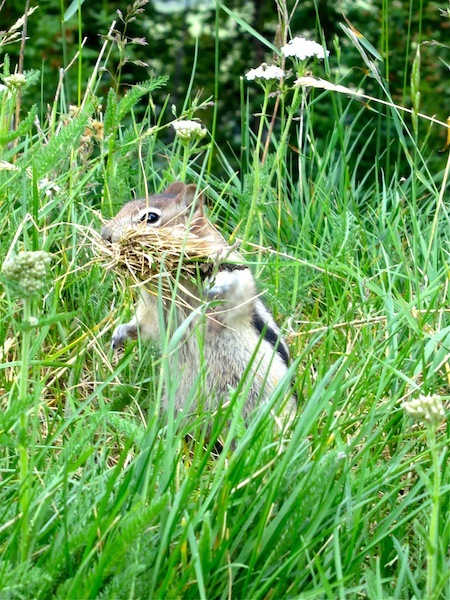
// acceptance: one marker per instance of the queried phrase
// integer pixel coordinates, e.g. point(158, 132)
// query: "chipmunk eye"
point(149, 217)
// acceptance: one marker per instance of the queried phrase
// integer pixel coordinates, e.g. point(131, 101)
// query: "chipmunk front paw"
point(224, 285)
point(121, 334)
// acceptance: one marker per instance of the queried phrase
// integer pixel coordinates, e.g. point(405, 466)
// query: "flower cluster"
point(188, 130)
point(27, 271)
point(298, 48)
point(15, 81)
point(426, 409)
point(302, 49)
point(265, 71)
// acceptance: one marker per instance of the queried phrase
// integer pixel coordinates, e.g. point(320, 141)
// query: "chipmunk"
point(239, 334)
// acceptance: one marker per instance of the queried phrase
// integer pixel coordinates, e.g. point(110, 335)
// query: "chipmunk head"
point(179, 203)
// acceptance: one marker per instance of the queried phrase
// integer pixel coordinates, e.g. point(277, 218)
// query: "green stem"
point(23, 429)
point(433, 537)
point(80, 53)
point(256, 161)
point(292, 111)
point(281, 150)
point(437, 211)
point(184, 167)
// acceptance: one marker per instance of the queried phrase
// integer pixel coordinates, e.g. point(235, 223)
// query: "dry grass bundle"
point(154, 257)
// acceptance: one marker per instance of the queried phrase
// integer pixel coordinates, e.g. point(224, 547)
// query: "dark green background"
point(394, 29)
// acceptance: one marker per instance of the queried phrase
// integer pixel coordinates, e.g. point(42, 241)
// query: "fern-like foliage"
point(117, 110)
point(23, 128)
point(59, 147)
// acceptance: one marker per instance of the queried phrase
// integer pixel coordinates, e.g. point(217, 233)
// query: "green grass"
point(101, 496)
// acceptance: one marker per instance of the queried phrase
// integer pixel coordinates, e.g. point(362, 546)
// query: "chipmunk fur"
point(237, 330)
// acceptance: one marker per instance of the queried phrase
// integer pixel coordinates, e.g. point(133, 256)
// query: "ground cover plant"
point(101, 496)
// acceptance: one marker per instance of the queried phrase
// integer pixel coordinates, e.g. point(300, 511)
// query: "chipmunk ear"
point(186, 196)
point(175, 188)
point(190, 195)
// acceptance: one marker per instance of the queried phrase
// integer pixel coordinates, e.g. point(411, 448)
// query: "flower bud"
point(27, 270)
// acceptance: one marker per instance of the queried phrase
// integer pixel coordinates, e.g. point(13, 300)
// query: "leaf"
point(423, 533)
point(23, 128)
point(59, 145)
point(415, 84)
point(246, 27)
point(358, 42)
point(110, 119)
point(325, 85)
point(364, 41)
point(447, 142)
point(135, 93)
point(73, 8)
point(204, 544)
point(57, 318)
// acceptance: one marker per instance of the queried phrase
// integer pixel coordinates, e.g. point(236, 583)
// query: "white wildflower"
point(27, 271)
point(265, 71)
point(426, 409)
point(302, 49)
point(187, 130)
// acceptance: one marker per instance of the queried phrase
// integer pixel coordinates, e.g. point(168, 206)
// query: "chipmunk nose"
point(106, 233)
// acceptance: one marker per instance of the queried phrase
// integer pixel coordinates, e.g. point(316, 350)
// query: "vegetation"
point(101, 495)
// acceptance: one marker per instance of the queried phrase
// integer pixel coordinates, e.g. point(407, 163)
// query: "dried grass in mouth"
point(145, 256)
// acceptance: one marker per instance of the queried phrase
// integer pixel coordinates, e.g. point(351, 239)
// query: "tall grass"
point(103, 496)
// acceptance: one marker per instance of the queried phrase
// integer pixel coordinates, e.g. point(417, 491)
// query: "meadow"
point(101, 495)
